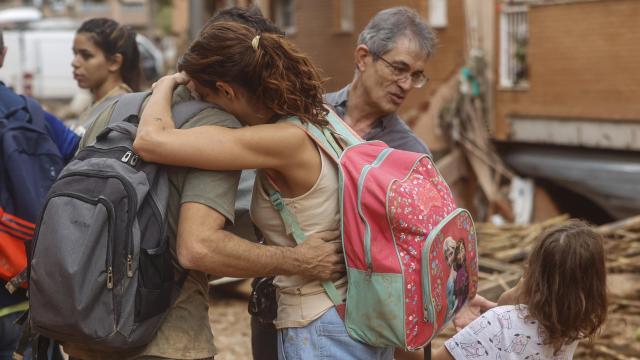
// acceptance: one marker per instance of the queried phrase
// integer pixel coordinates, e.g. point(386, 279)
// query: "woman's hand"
point(156, 118)
point(171, 81)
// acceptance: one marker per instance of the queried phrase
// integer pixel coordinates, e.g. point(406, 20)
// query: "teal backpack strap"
point(324, 136)
point(293, 228)
point(342, 130)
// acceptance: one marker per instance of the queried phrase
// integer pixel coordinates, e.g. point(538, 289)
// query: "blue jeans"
point(10, 335)
point(326, 338)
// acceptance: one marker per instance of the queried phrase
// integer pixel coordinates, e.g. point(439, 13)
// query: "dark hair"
point(1, 40)
point(564, 284)
point(113, 38)
point(274, 73)
point(251, 17)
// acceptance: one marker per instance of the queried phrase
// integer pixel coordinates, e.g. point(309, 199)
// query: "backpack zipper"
point(128, 156)
point(133, 206)
point(429, 306)
point(110, 216)
point(367, 235)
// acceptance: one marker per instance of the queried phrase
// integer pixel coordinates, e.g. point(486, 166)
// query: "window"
point(95, 5)
point(230, 3)
point(133, 5)
point(284, 15)
point(437, 12)
point(514, 36)
point(345, 16)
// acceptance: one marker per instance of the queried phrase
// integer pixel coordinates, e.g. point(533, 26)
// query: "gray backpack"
point(102, 272)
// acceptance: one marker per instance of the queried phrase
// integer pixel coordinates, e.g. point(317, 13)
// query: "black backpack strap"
point(36, 114)
point(127, 105)
point(184, 111)
point(25, 337)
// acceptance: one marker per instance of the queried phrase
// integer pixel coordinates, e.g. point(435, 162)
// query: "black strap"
point(427, 352)
point(25, 337)
point(35, 111)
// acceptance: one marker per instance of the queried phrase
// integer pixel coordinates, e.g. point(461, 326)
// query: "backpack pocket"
point(155, 275)
point(81, 257)
point(449, 268)
point(32, 162)
point(78, 275)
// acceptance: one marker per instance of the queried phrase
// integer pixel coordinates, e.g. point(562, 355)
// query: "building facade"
point(570, 65)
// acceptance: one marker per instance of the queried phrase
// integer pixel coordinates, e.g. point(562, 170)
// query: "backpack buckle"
point(130, 158)
point(125, 158)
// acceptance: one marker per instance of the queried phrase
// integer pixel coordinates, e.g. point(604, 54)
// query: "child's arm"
point(441, 354)
point(471, 311)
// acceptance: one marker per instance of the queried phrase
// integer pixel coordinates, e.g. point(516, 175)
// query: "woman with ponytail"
point(261, 79)
point(106, 61)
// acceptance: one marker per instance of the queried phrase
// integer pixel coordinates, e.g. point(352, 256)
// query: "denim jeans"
point(326, 338)
point(10, 335)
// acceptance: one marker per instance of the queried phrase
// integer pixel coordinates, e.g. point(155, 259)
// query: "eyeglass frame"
point(408, 75)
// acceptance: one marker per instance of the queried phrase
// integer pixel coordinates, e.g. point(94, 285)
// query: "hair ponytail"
point(269, 68)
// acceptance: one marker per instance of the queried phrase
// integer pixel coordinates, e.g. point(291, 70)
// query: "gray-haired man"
point(390, 57)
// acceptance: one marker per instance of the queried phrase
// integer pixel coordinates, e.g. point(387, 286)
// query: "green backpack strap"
point(342, 130)
point(293, 228)
point(327, 136)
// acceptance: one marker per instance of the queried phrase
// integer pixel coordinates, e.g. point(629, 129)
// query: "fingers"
point(182, 78)
point(328, 235)
point(337, 248)
point(338, 275)
point(483, 303)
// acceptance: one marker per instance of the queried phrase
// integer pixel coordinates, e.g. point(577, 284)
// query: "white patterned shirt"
point(502, 333)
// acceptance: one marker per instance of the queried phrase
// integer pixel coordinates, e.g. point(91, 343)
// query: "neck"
point(362, 113)
point(100, 92)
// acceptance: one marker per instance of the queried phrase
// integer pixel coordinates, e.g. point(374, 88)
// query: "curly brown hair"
point(564, 284)
point(274, 73)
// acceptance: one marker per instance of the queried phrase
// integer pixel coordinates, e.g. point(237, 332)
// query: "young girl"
point(259, 79)
point(106, 61)
point(560, 299)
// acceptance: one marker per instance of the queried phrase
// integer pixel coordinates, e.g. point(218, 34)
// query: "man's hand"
point(321, 256)
point(471, 310)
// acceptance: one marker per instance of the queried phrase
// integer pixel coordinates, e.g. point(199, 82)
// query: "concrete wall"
point(583, 64)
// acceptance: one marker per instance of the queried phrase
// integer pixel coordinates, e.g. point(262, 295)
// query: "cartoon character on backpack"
point(458, 279)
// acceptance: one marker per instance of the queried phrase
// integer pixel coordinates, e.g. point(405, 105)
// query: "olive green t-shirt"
point(185, 332)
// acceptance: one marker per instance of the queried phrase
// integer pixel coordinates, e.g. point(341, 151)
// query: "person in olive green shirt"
point(200, 204)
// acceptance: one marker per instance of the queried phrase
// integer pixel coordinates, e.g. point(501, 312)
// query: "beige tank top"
point(300, 299)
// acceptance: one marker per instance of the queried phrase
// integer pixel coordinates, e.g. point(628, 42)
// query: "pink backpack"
point(410, 253)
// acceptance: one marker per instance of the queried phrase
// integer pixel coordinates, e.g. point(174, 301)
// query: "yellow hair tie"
point(255, 42)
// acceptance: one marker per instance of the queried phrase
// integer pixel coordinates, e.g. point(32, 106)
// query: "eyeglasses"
point(400, 73)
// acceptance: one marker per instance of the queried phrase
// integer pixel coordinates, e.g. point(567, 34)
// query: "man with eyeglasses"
point(390, 58)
